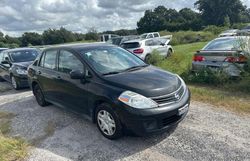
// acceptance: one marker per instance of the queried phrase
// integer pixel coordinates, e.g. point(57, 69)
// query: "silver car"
point(227, 54)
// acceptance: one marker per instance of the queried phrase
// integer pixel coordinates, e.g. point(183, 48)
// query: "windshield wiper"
point(136, 67)
point(111, 73)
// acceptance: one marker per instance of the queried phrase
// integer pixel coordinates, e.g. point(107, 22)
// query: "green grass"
point(10, 148)
point(180, 61)
point(235, 101)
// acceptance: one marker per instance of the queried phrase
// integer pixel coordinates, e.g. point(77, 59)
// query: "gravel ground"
point(207, 133)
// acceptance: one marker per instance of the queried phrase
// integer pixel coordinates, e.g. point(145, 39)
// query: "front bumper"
point(22, 80)
point(145, 122)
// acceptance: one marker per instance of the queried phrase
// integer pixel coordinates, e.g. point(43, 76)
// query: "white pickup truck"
point(154, 35)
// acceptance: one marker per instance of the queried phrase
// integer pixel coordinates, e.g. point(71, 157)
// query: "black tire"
point(118, 127)
point(147, 58)
point(170, 52)
point(39, 96)
point(1, 79)
point(14, 82)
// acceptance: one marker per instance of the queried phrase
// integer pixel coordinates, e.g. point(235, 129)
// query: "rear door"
point(72, 92)
point(46, 74)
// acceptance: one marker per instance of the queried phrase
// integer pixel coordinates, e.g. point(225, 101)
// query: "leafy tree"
point(92, 34)
point(215, 12)
point(32, 38)
point(162, 18)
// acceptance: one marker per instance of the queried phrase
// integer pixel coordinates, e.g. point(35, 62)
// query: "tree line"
point(211, 12)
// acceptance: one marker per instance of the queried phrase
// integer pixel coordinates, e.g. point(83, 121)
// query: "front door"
point(73, 92)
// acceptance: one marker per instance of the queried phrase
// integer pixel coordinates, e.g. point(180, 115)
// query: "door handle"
point(39, 72)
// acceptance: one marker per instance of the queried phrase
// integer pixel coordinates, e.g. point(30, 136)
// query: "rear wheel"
point(147, 58)
point(170, 52)
point(39, 96)
point(108, 122)
point(15, 83)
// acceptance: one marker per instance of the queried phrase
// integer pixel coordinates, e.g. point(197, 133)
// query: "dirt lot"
point(207, 133)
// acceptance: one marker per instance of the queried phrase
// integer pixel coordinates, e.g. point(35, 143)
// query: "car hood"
point(23, 64)
point(149, 81)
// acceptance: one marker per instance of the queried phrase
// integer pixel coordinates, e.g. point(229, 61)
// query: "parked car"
point(14, 63)
point(111, 86)
point(224, 54)
point(150, 35)
point(226, 33)
point(121, 39)
point(144, 48)
point(244, 32)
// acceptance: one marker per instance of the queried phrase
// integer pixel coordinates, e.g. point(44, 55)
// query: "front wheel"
point(15, 83)
point(147, 58)
point(39, 96)
point(108, 123)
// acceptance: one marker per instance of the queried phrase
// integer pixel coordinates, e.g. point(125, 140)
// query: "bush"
point(207, 76)
point(239, 25)
point(215, 29)
point(155, 58)
point(186, 37)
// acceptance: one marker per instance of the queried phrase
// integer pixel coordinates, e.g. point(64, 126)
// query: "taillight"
point(138, 51)
point(198, 58)
point(240, 59)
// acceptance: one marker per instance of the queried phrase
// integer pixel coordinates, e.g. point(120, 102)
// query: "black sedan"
point(111, 86)
point(14, 64)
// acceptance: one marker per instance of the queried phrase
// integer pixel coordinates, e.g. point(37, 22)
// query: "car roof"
point(232, 37)
point(20, 49)
point(81, 46)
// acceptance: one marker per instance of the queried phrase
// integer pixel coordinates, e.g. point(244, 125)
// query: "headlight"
point(136, 100)
point(182, 82)
point(21, 71)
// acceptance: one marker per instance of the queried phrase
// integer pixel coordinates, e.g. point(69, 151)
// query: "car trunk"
point(217, 60)
point(219, 56)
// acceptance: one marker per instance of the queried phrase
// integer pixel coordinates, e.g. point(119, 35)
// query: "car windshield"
point(111, 60)
point(223, 44)
point(24, 55)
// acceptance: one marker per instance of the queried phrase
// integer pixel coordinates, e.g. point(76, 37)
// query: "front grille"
point(170, 98)
point(170, 120)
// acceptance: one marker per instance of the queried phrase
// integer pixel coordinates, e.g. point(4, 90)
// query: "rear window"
point(223, 44)
point(131, 45)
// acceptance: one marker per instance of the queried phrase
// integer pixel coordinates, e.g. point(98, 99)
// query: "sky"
point(19, 16)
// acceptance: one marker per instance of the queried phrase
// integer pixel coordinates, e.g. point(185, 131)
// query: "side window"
point(157, 42)
point(69, 62)
point(41, 63)
point(156, 35)
point(49, 59)
point(150, 36)
point(5, 55)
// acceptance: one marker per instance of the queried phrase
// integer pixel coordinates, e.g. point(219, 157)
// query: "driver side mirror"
point(162, 44)
point(76, 74)
point(5, 62)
